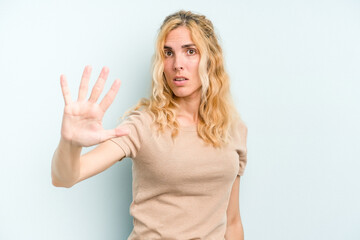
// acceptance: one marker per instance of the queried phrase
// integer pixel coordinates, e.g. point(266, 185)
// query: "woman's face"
point(181, 64)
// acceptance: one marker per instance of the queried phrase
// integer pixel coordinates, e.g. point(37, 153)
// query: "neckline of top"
point(190, 128)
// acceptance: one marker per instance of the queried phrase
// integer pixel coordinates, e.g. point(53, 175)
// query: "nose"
point(178, 63)
point(177, 68)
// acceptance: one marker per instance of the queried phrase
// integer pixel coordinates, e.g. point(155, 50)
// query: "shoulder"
point(238, 135)
point(239, 127)
point(142, 117)
point(138, 124)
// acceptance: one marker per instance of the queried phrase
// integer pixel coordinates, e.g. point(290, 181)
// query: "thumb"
point(112, 133)
point(122, 131)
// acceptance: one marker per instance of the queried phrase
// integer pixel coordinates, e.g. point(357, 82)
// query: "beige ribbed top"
point(181, 187)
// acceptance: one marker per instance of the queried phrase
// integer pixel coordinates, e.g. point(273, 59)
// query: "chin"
point(180, 94)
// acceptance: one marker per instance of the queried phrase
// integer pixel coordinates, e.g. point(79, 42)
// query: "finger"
point(84, 84)
point(99, 85)
point(65, 89)
point(110, 96)
point(117, 132)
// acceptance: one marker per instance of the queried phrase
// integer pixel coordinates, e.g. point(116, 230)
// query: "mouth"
point(180, 79)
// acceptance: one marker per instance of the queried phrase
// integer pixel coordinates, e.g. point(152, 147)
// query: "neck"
point(188, 111)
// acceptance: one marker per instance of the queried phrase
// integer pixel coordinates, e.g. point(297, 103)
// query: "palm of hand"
point(82, 120)
point(82, 123)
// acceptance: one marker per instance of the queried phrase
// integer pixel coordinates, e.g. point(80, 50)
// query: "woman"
point(187, 142)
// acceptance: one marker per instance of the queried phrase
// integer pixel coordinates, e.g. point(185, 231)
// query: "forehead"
point(180, 35)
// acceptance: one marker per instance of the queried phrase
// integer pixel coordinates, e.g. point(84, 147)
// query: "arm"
point(82, 127)
point(69, 168)
point(234, 228)
point(65, 165)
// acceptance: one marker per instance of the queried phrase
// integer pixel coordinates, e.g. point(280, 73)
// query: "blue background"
point(295, 70)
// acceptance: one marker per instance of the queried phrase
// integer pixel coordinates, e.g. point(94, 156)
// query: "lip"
point(180, 77)
point(180, 83)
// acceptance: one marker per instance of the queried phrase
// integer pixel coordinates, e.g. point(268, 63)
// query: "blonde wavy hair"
point(216, 111)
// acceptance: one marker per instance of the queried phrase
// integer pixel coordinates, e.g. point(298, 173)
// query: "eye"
point(168, 53)
point(191, 51)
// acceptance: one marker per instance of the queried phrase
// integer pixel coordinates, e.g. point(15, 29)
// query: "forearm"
point(234, 231)
point(65, 166)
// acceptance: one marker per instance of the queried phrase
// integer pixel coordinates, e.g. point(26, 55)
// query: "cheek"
point(194, 63)
point(167, 67)
point(167, 73)
point(194, 67)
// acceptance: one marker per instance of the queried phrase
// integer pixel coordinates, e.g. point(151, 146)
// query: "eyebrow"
point(183, 46)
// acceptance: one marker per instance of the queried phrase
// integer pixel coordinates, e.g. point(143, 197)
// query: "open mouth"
point(180, 79)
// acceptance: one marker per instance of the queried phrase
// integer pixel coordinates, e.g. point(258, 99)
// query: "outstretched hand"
point(82, 119)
